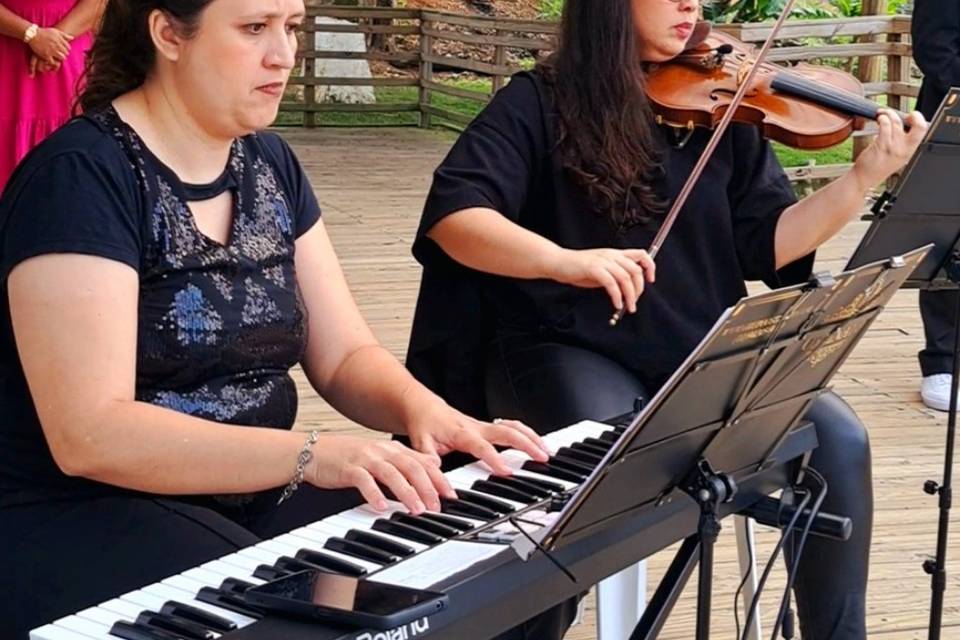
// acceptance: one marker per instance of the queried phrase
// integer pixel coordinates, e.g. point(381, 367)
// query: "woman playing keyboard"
point(162, 267)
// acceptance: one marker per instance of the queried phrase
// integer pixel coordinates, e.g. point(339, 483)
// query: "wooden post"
point(898, 70)
point(426, 72)
point(309, 88)
point(499, 59)
point(869, 69)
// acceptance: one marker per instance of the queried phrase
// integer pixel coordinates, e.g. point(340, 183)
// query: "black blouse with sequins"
point(220, 325)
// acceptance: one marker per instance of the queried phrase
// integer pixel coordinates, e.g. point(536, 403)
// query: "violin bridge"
point(744, 70)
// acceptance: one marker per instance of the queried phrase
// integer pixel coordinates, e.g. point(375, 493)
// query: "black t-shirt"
point(219, 325)
point(506, 160)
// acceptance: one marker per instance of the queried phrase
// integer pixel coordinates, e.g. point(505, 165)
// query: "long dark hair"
point(607, 137)
point(123, 53)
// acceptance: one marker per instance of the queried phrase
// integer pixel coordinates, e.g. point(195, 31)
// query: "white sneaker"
point(935, 391)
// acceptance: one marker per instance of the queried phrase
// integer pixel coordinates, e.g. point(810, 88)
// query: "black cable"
point(798, 551)
point(776, 552)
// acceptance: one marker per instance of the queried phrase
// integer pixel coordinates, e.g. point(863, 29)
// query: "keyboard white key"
point(126, 610)
point(229, 568)
point(255, 553)
point(84, 626)
point(53, 632)
point(282, 546)
point(189, 585)
point(103, 616)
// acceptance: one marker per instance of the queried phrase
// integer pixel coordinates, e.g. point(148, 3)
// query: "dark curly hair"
point(123, 53)
point(607, 132)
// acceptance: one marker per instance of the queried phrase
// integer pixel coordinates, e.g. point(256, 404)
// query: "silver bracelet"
point(306, 455)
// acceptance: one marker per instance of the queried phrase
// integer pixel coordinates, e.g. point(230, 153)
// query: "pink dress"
point(32, 108)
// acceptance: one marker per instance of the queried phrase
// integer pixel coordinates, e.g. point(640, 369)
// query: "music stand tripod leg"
point(937, 568)
point(709, 489)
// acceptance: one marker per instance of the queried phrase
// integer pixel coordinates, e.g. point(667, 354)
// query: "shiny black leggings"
point(550, 385)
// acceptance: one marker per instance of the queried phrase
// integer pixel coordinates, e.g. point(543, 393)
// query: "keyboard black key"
point(434, 523)
point(379, 542)
point(453, 523)
point(293, 565)
point(177, 626)
point(133, 631)
point(229, 602)
point(586, 457)
point(523, 486)
point(330, 563)
point(466, 509)
point(200, 616)
point(589, 448)
point(552, 487)
point(548, 469)
point(269, 573)
point(573, 465)
point(358, 550)
point(406, 531)
point(498, 506)
point(598, 443)
point(610, 436)
point(501, 491)
point(236, 585)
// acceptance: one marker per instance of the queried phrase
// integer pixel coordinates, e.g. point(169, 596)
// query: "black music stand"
point(924, 207)
point(738, 395)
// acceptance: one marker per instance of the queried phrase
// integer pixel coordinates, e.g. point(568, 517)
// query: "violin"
point(718, 80)
point(803, 106)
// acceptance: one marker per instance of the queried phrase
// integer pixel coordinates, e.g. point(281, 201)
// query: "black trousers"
point(550, 385)
point(58, 558)
point(938, 311)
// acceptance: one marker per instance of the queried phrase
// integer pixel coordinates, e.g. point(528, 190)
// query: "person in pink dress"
point(43, 44)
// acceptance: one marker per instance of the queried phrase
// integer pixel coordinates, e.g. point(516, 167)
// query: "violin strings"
point(804, 87)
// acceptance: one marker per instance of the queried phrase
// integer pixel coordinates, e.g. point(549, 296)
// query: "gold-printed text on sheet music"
point(753, 330)
point(820, 350)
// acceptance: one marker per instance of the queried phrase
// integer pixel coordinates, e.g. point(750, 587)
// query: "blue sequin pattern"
point(220, 325)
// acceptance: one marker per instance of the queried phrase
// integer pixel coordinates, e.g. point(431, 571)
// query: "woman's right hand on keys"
point(623, 273)
point(341, 462)
point(51, 45)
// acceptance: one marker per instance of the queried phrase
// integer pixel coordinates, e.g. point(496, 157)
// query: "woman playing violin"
point(535, 228)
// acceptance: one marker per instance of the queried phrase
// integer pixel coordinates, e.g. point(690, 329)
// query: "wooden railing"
point(430, 53)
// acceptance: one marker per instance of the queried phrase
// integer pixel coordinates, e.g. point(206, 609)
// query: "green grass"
point(838, 154)
point(398, 95)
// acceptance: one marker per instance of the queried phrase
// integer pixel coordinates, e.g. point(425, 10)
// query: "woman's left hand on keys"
point(440, 429)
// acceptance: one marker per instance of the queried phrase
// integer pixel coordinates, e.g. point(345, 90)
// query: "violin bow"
point(711, 145)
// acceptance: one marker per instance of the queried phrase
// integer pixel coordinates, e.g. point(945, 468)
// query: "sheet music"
point(438, 563)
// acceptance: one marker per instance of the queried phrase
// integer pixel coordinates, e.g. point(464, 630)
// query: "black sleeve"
point(936, 42)
point(494, 160)
point(759, 193)
point(71, 202)
point(306, 209)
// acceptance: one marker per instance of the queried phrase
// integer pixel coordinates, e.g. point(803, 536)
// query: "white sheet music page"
point(438, 563)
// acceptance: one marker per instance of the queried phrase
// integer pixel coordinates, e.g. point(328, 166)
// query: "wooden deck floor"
point(372, 183)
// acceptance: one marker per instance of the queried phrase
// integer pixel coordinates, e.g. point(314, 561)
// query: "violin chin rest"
point(700, 33)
